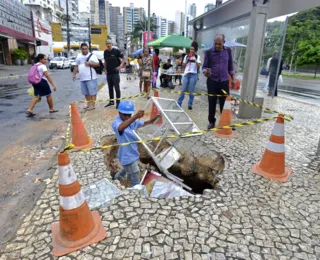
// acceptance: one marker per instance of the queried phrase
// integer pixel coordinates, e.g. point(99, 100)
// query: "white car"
point(59, 62)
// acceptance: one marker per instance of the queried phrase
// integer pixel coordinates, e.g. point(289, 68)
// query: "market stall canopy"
point(173, 40)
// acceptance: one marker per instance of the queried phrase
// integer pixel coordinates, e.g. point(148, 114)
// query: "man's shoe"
point(109, 104)
point(211, 125)
point(117, 105)
point(189, 107)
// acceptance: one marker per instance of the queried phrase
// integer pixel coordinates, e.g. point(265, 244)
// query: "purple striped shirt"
point(221, 64)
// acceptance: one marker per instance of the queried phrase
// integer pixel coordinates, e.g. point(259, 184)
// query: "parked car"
point(59, 62)
point(72, 65)
point(71, 59)
point(264, 72)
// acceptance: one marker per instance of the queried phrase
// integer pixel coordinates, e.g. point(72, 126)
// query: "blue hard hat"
point(126, 107)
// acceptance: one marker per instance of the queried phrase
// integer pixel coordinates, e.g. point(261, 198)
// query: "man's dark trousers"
point(216, 88)
point(114, 81)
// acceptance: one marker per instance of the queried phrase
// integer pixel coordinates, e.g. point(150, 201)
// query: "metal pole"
point(280, 55)
point(68, 30)
point(148, 39)
point(318, 150)
point(251, 73)
point(89, 34)
point(185, 19)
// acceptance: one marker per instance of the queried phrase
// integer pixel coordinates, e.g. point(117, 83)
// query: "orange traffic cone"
point(154, 110)
point(225, 120)
point(272, 165)
point(80, 137)
point(78, 226)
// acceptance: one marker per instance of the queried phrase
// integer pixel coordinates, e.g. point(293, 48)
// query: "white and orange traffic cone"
point(80, 138)
point(272, 165)
point(78, 226)
point(225, 120)
point(154, 110)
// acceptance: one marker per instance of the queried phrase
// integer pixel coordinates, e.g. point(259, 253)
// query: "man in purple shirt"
point(217, 67)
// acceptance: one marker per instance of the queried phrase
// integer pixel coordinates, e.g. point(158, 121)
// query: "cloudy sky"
point(164, 8)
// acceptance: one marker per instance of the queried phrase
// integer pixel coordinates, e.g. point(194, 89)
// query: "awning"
point(57, 50)
point(15, 34)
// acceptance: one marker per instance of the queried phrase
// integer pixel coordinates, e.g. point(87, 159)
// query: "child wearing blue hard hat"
point(123, 126)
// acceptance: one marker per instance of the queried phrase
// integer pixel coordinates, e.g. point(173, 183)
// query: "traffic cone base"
point(225, 120)
point(88, 145)
point(62, 246)
point(277, 177)
point(230, 136)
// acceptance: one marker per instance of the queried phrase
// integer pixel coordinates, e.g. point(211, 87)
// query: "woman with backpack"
point(39, 77)
point(191, 63)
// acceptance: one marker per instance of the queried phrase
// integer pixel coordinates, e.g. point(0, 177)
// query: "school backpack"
point(34, 75)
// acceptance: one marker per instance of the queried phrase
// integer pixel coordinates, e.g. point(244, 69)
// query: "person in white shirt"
point(191, 63)
point(88, 77)
point(43, 88)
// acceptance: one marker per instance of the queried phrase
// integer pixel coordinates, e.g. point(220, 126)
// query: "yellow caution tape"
point(115, 99)
point(194, 94)
point(189, 134)
point(257, 105)
point(198, 94)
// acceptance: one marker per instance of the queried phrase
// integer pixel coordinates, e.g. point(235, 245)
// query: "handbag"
point(146, 74)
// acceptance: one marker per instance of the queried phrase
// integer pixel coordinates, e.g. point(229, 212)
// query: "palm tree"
point(140, 27)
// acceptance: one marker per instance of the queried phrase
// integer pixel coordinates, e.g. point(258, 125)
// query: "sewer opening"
point(199, 167)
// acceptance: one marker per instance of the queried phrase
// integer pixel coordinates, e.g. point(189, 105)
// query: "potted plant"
point(23, 57)
point(20, 57)
point(16, 56)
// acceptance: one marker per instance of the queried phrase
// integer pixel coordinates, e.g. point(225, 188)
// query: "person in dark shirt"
point(165, 66)
point(274, 74)
point(217, 67)
point(112, 66)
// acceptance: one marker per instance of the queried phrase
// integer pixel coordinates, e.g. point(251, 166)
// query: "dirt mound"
point(198, 166)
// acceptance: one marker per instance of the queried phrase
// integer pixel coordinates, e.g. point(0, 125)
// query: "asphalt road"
point(307, 90)
point(29, 145)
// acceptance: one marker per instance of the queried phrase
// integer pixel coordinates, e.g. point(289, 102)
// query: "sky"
point(164, 8)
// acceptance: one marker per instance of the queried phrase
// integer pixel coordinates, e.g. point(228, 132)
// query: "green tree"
point(140, 27)
point(302, 27)
point(309, 53)
point(272, 42)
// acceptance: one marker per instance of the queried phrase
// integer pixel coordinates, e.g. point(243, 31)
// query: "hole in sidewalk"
point(199, 166)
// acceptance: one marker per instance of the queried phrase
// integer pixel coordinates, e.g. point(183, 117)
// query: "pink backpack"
point(34, 75)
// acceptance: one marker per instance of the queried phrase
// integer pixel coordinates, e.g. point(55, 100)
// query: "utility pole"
point(89, 34)
point(68, 29)
point(186, 19)
point(148, 21)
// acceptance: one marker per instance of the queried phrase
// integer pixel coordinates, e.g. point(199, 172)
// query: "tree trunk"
point(315, 72)
point(292, 57)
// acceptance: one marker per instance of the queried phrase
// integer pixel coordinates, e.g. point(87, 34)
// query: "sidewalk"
point(246, 217)
point(13, 72)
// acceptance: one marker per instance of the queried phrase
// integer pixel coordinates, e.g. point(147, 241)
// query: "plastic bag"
point(30, 91)
point(280, 79)
point(164, 190)
point(266, 86)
